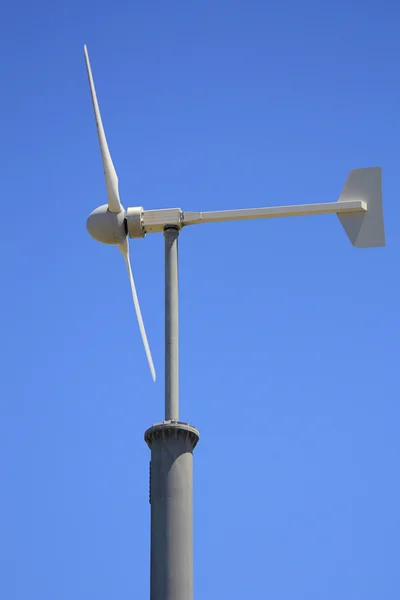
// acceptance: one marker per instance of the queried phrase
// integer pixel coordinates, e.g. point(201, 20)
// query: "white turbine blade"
point(125, 251)
point(114, 203)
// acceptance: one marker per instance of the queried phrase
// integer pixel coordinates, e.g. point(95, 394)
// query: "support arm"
point(271, 212)
point(359, 209)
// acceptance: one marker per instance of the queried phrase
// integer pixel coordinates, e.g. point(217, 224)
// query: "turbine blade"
point(125, 251)
point(114, 203)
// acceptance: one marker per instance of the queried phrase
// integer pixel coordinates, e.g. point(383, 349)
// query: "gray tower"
point(171, 499)
point(171, 466)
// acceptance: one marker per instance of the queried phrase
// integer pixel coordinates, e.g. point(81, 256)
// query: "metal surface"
point(105, 226)
point(365, 230)
point(359, 209)
point(134, 223)
point(171, 234)
point(171, 499)
point(272, 212)
point(154, 221)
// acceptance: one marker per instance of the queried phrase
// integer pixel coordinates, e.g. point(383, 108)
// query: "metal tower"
point(171, 467)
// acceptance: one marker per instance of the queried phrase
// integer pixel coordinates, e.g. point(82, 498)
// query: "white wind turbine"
point(359, 209)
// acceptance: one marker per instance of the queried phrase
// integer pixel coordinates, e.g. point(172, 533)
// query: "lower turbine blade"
point(125, 251)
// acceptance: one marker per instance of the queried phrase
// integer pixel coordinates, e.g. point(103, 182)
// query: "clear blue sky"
point(289, 335)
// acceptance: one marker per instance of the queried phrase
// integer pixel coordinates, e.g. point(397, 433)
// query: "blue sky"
point(289, 335)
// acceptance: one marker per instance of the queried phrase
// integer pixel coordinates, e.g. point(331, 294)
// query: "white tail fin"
point(365, 230)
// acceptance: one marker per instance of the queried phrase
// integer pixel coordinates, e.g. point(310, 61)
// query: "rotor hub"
point(107, 227)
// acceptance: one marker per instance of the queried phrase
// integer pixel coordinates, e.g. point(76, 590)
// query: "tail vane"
point(364, 230)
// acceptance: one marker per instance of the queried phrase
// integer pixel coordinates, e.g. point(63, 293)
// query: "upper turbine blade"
point(114, 203)
point(125, 251)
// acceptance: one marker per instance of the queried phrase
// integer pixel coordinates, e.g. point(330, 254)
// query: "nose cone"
point(106, 227)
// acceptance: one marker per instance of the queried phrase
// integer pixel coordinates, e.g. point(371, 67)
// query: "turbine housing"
point(107, 227)
point(134, 222)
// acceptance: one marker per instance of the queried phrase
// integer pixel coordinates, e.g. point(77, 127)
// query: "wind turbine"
point(359, 208)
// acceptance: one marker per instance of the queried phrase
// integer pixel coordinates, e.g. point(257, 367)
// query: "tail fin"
point(364, 230)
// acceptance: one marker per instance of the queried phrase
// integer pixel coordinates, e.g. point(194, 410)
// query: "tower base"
point(171, 499)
